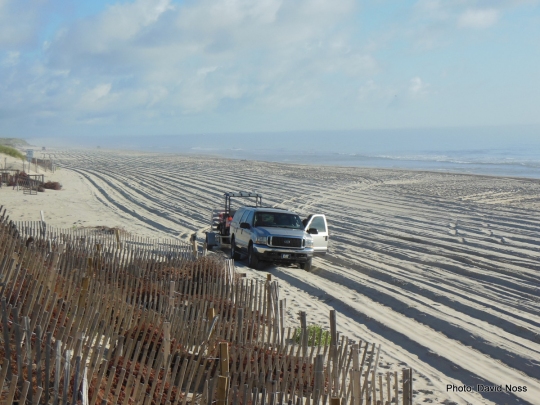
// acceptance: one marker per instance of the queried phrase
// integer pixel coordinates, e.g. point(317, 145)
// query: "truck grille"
point(286, 242)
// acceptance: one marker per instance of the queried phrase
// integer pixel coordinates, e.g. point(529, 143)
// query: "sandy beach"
point(441, 269)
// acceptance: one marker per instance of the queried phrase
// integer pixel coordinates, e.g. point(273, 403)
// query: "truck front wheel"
point(234, 254)
point(253, 260)
point(306, 265)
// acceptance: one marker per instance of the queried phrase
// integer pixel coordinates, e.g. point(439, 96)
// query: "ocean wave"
point(203, 149)
point(484, 160)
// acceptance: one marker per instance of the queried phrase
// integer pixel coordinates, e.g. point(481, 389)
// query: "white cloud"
point(366, 89)
point(270, 53)
point(99, 92)
point(11, 59)
point(417, 88)
point(479, 18)
point(432, 9)
point(371, 91)
point(179, 61)
point(95, 97)
point(113, 28)
point(432, 23)
point(19, 22)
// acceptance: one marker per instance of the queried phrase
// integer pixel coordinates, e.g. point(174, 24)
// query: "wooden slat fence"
point(105, 238)
point(28, 183)
point(108, 321)
point(6, 175)
point(45, 164)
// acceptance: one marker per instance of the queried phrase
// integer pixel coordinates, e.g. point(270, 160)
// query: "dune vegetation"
point(13, 142)
point(7, 150)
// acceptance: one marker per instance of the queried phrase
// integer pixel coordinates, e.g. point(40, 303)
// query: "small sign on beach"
point(29, 155)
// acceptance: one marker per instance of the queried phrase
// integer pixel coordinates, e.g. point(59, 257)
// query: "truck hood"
point(274, 231)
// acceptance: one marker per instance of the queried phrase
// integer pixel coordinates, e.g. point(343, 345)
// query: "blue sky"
point(145, 67)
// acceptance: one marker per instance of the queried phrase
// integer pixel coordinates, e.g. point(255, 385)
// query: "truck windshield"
point(278, 219)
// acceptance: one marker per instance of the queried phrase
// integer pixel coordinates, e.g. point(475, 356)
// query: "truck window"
point(264, 219)
point(249, 218)
point(278, 219)
point(319, 224)
point(244, 216)
point(238, 215)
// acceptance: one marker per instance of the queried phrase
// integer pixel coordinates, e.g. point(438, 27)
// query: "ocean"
point(513, 152)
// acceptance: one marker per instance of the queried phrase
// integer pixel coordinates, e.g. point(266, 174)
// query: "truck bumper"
point(276, 255)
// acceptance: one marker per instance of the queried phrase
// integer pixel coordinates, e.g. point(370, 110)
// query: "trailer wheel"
point(253, 260)
point(234, 254)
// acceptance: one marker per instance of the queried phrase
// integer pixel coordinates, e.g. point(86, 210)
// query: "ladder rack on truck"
point(218, 235)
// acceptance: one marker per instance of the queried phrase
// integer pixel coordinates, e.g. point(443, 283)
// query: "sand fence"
point(102, 317)
point(28, 183)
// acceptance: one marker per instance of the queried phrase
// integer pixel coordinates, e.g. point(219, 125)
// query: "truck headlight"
point(308, 242)
point(261, 240)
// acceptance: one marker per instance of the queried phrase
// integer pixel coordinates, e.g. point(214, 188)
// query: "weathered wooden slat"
point(12, 390)
point(4, 371)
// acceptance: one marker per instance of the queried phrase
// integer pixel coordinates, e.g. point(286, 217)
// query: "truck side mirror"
point(313, 231)
point(245, 225)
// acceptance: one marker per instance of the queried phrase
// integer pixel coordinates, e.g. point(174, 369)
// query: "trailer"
point(220, 219)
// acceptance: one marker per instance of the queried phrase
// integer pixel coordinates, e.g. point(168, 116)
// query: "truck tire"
point(253, 260)
point(306, 265)
point(208, 246)
point(234, 253)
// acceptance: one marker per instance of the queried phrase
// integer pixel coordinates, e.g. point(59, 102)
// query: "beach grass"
point(6, 150)
point(316, 336)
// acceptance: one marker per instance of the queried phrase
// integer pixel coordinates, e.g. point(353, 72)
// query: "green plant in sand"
point(316, 335)
point(6, 150)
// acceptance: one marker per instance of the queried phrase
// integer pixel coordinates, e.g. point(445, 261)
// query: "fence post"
point(356, 375)
point(318, 383)
point(166, 339)
point(84, 291)
point(194, 245)
point(333, 328)
point(269, 320)
point(224, 359)
point(223, 380)
point(334, 384)
point(304, 333)
point(117, 234)
point(172, 289)
point(407, 386)
point(5, 330)
point(43, 225)
point(240, 324)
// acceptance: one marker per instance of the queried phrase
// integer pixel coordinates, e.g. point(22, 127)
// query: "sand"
point(441, 269)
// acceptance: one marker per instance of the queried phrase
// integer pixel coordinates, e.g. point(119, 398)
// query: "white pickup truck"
point(277, 236)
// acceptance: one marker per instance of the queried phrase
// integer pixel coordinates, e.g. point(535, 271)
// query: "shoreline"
point(329, 165)
point(515, 163)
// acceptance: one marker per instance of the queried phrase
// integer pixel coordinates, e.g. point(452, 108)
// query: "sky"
point(162, 67)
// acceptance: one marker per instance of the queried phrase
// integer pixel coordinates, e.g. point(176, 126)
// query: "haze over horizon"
point(164, 67)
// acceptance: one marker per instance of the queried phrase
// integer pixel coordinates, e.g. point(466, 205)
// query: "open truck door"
point(317, 227)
